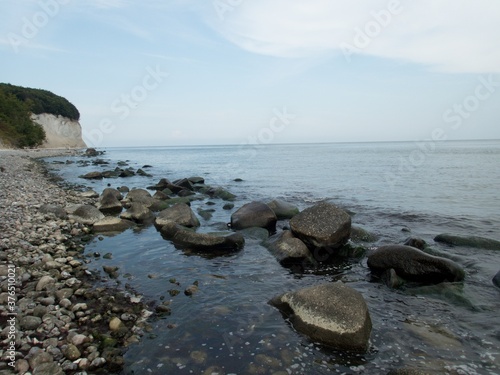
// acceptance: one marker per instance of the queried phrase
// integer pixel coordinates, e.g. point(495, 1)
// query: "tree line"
point(16, 106)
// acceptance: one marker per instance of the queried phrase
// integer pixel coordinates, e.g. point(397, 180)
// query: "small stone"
point(65, 303)
point(79, 339)
point(198, 357)
point(190, 290)
point(116, 324)
point(71, 352)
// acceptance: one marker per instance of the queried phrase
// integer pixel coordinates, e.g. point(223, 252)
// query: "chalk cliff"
point(60, 131)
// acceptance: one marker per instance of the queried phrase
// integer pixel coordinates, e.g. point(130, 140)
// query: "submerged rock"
point(468, 241)
point(206, 242)
point(179, 213)
point(414, 265)
point(287, 249)
point(254, 214)
point(322, 226)
point(333, 314)
point(282, 209)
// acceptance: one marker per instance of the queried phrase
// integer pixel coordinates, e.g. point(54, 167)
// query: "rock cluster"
point(61, 322)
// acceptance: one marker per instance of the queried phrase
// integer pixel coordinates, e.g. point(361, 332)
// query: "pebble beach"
point(55, 318)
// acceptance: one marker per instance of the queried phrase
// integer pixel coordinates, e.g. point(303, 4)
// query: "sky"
point(186, 72)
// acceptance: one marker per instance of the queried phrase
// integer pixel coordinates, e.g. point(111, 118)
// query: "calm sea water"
point(449, 187)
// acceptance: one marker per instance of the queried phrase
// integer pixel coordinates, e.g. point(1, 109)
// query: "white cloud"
point(444, 35)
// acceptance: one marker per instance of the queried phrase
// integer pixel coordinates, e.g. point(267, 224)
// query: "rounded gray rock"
point(254, 214)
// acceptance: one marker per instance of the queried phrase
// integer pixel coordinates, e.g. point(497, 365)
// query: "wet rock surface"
point(333, 313)
point(413, 264)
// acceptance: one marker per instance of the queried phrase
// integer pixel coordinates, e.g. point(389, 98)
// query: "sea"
point(393, 190)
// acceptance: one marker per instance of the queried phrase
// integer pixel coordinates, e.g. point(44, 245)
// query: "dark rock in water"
point(147, 166)
point(196, 180)
point(333, 314)
point(179, 213)
point(185, 193)
point(220, 193)
point(99, 162)
point(254, 214)
point(87, 214)
point(469, 241)
point(322, 226)
point(126, 173)
point(92, 176)
point(91, 152)
point(496, 279)
point(287, 249)
point(238, 180)
point(110, 174)
point(282, 209)
point(109, 203)
point(184, 183)
point(359, 234)
point(415, 242)
point(138, 213)
point(414, 265)
point(112, 224)
point(122, 163)
point(160, 195)
point(205, 242)
point(255, 233)
point(162, 184)
point(391, 279)
point(228, 206)
point(206, 214)
point(57, 211)
point(140, 172)
point(123, 189)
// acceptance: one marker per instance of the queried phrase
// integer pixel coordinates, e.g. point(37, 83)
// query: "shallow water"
point(452, 328)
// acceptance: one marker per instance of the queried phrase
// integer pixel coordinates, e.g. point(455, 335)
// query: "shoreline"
point(56, 317)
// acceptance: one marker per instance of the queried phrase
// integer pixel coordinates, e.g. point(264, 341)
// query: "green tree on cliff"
point(16, 126)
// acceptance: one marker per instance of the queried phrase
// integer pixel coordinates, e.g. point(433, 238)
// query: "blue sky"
point(261, 71)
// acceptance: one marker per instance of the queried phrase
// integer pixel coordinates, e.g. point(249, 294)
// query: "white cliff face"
point(61, 132)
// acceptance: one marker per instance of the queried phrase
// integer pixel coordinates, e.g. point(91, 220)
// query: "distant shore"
point(60, 321)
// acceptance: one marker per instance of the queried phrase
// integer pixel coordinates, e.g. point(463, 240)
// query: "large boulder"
point(287, 249)
point(333, 314)
point(254, 214)
point(138, 213)
point(112, 224)
point(109, 202)
point(282, 209)
point(87, 214)
point(204, 242)
point(179, 213)
point(322, 226)
point(414, 265)
point(468, 241)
